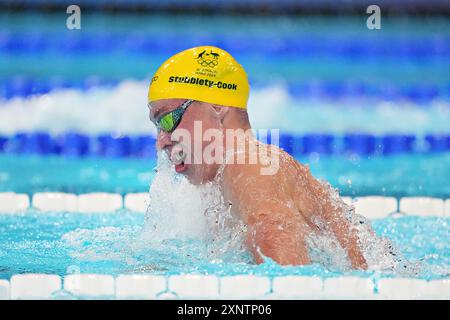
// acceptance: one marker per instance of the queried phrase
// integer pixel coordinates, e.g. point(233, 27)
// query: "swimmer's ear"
point(220, 111)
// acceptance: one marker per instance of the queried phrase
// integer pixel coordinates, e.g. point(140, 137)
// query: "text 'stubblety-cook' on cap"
point(205, 73)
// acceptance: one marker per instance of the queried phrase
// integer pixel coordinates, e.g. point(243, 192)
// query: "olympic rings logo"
point(208, 59)
point(208, 63)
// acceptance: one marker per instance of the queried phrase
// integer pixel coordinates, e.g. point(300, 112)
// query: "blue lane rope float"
point(73, 144)
point(78, 145)
point(362, 144)
point(438, 143)
point(394, 144)
point(22, 86)
point(167, 42)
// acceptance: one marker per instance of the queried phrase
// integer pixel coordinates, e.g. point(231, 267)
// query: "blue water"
point(62, 243)
point(399, 175)
point(408, 57)
point(398, 78)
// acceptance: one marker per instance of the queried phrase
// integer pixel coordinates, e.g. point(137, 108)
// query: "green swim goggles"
point(170, 120)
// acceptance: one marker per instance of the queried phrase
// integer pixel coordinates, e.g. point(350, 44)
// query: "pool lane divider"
point(372, 207)
point(73, 144)
point(197, 286)
point(21, 86)
point(287, 46)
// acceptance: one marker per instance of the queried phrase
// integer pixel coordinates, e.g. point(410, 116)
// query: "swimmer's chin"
point(191, 175)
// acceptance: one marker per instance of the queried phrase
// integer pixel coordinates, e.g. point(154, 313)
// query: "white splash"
point(182, 212)
point(379, 252)
point(100, 244)
point(176, 208)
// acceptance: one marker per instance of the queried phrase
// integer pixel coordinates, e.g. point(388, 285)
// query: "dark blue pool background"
point(327, 55)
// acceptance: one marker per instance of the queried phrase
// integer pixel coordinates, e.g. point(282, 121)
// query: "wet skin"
point(281, 210)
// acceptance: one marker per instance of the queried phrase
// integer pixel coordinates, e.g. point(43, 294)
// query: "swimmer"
point(195, 100)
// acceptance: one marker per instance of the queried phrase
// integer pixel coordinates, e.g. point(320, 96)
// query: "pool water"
point(308, 75)
point(61, 243)
point(399, 175)
point(410, 51)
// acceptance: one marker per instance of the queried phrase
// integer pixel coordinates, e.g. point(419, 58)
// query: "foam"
point(201, 219)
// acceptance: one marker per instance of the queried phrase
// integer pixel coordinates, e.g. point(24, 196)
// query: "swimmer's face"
point(185, 144)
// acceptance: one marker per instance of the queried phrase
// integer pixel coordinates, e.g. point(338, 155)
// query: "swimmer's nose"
point(163, 140)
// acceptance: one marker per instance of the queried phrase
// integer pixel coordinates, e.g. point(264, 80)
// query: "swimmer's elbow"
point(284, 249)
point(280, 256)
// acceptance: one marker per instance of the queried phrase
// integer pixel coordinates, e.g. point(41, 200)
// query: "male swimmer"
point(198, 97)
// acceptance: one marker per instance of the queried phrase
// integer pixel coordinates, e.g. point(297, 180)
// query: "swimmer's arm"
point(317, 200)
point(274, 229)
point(348, 239)
point(277, 235)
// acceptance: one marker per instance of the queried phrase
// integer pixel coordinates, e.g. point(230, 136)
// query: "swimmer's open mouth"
point(178, 159)
point(180, 167)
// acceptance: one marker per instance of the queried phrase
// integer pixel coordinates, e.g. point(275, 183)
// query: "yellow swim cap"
point(206, 73)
